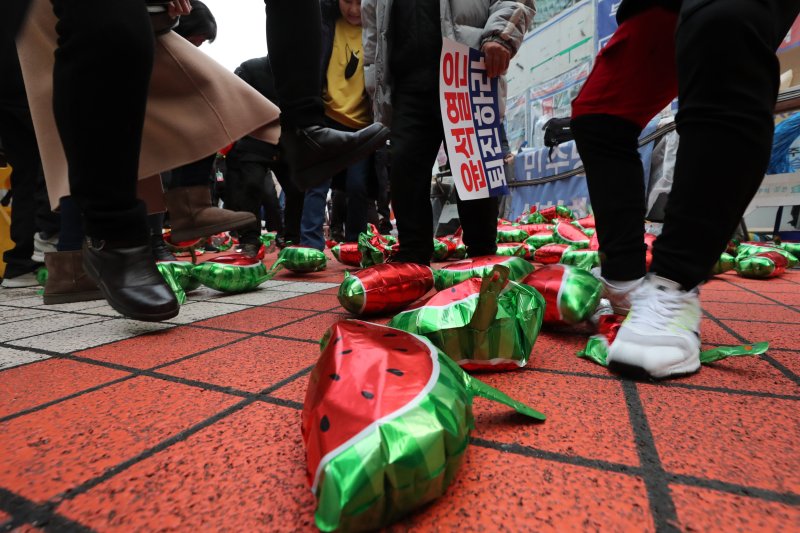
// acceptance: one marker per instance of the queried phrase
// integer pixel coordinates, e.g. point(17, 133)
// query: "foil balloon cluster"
point(385, 423)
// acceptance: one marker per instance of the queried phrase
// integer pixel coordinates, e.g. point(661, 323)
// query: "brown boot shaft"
point(66, 279)
point(192, 216)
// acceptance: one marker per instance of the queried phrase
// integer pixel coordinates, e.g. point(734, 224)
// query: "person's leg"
point(272, 206)
point(71, 237)
point(313, 220)
point(382, 162)
point(417, 134)
point(100, 84)
point(244, 183)
point(293, 210)
point(633, 79)
point(728, 84)
point(338, 214)
point(313, 153)
point(191, 212)
point(479, 222)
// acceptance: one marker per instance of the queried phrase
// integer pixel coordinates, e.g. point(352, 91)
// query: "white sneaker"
point(618, 292)
point(42, 246)
point(25, 280)
point(661, 335)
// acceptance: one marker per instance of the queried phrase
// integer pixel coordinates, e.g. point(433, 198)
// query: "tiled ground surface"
point(110, 424)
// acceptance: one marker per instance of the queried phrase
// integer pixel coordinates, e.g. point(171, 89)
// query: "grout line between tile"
point(733, 488)
point(655, 479)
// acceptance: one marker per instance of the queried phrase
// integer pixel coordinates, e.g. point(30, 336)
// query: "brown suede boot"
point(66, 280)
point(191, 215)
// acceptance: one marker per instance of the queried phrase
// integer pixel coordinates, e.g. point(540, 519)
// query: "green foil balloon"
point(386, 421)
point(488, 323)
point(750, 249)
point(232, 274)
point(597, 350)
point(479, 267)
point(725, 263)
point(179, 276)
point(299, 259)
point(582, 258)
point(791, 247)
point(537, 240)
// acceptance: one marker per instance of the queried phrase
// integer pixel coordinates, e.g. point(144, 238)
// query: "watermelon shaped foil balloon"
point(386, 422)
point(384, 288)
point(479, 267)
point(487, 324)
point(231, 273)
point(571, 294)
point(299, 259)
point(178, 275)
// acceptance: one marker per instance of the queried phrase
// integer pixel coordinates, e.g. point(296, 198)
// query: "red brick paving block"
point(743, 373)
point(311, 328)
point(744, 440)
point(255, 320)
point(586, 417)
point(498, 491)
point(766, 313)
point(766, 286)
point(735, 296)
point(313, 302)
point(294, 391)
point(27, 386)
point(778, 335)
point(559, 351)
point(47, 452)
point(712, 333)
point(251, 365)
point(243, 473)
point(709, 510)
point(161, 347)
point(790, 360)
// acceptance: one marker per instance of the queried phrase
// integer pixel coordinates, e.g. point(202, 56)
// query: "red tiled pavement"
point(612, 456)
point(709, 510)
point(38, 383)
point(251, 365)
point(158, 348)
point(50, 451)
point(736, 439)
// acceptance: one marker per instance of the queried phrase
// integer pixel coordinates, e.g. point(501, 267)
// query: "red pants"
point(633, 82)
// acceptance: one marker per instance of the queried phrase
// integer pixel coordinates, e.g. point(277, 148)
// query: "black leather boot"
point(127, 276)
point(314, 154)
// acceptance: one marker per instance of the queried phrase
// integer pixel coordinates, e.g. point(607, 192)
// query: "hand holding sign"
point(468, 97)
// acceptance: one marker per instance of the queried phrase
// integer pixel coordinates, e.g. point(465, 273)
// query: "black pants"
point(101, 78)
point(727, 79)
point(248, 186)
point(417, 134)
point(295, 45)
point(30, 208)
point(191, 174)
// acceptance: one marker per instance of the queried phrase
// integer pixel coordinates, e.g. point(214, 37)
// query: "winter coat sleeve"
point(369, 36)
point(509, 21)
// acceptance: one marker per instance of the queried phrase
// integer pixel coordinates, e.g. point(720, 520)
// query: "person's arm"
point(369, 37)
point(509, 21)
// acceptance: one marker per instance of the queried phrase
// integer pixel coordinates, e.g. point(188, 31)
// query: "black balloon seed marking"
point(337, 339)
point(324, 424)
point(453, 289)
point(390, 334)
point(395, 371)
point(345, 352)
point(401, 349)
point(368, 395)
point(335, 377)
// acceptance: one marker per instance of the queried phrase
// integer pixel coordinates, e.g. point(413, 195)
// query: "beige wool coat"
point(195, 106)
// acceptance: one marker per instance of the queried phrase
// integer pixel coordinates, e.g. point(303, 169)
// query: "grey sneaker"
point(18, 282)
point(661, 335)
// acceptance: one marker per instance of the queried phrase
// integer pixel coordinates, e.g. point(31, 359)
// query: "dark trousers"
point(101, 78)
point(295, 44)
point(417, 133)
point(192, 174)
point(726, 77)
point(248, 186)
point(30, 209)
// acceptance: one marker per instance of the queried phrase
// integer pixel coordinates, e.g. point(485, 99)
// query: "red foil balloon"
point(384, 288)
point(550, 253)
point(347, 253)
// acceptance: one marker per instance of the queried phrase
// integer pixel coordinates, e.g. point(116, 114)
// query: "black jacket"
point(629, 8)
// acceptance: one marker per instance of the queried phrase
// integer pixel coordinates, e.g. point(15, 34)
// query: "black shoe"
point(280, 242)
point(129, 280)
point(250, 249)
point(160, 249)
point(315, 154)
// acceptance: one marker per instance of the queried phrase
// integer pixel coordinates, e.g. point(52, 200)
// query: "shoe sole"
point(143, 317)
point(638, 373)
point(68, 298)
point(206, 231)
point(310, 177)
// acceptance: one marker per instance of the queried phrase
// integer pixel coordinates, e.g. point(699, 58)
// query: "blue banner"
point(606, 20)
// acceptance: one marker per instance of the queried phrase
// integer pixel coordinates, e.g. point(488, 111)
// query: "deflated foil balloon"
point(299, 259)
point(178, 275)
point(488, 323)
point(386, 421)
point(231, 273)
point(542, 238)
point(725, 263)
point(761, 265)
point(374, 247)
point(507, 249)
point(749, 249)
point(479, 267)
point(384, 288)
point(582, 258)
point(550, 253)
point(571, 294)
point(556, 212)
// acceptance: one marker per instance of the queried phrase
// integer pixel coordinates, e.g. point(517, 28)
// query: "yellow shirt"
point(346, 99)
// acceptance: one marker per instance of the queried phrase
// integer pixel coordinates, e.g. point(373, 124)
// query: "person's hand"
point(179, 7)
point(508, 158)
point(497, 58)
